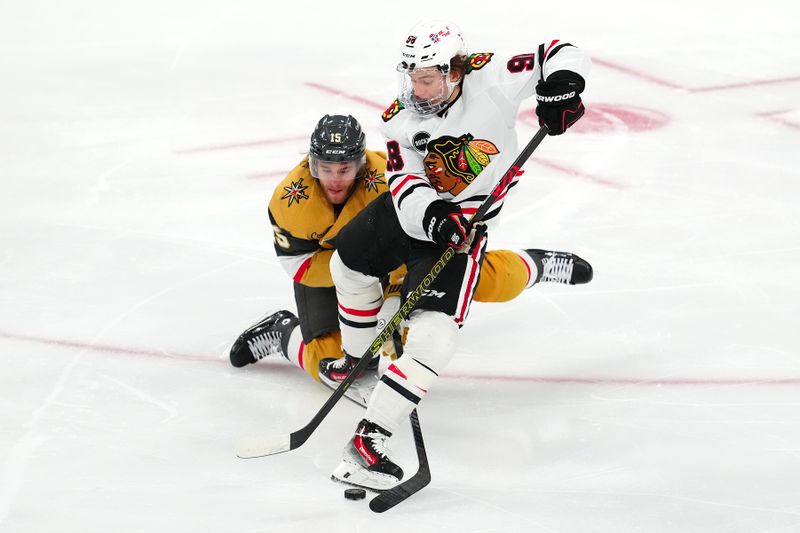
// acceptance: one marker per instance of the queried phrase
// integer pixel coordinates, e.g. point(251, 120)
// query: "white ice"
point(139, 143)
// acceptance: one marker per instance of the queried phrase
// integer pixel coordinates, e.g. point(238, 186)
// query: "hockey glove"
point(474, 238)
point(445, 224)
point(559, 102)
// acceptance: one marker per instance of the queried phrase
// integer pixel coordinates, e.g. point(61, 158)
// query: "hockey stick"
point(397, 494)
point(402, 491)
point(262, 445)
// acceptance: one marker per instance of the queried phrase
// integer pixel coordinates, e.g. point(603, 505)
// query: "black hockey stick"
point(399, 493)
point(402, 491)
point(262, 445)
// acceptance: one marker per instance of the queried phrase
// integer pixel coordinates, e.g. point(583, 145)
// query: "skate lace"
point(377, 442)
point(557, 269)
point(343, 363)
point(265, 344)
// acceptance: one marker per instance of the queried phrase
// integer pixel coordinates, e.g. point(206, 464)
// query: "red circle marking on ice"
point(601, 118)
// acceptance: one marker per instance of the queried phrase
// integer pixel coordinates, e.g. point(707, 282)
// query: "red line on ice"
point(745, 84)
point(105, 348)
point(273, 174)
point(132, 351)
point(637, 73)
point(773, 116)
point(672, 85)
point(349, 96)
point(577, 173)
point(237, 146)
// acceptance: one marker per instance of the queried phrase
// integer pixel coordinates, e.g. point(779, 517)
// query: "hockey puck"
point(355, 494)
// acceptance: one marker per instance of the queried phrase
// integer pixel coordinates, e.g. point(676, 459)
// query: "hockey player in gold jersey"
point(337, 180)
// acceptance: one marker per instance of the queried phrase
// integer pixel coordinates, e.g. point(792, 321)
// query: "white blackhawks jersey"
point(461, 153)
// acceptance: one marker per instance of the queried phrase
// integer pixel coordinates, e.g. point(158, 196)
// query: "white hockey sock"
point(294, 352)
point(387, 408)
point(360, 298)
point(400, 389)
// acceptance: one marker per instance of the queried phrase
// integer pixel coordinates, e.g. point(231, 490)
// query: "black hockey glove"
point(559, 101)
point(445, 224)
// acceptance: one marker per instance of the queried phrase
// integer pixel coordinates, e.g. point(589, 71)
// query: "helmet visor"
point(425, 91)
point(335, 171)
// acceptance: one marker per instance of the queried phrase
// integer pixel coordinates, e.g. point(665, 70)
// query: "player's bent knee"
point(347, 280)
point(432, 339)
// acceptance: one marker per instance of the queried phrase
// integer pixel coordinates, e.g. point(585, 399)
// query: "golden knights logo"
point(372, 180)
point(295, 192)
point(478, 61)
point(393, 109)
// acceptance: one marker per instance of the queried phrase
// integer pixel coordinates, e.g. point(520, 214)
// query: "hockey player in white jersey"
point(450, 136)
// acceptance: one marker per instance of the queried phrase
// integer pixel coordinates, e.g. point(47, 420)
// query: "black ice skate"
point(561, 267)
point(365, 462)
point(333, 371)
point(268, 336)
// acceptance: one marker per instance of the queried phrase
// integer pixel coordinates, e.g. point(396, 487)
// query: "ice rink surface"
point(139, 144)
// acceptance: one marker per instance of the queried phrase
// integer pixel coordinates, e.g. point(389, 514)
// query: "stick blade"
point(254, 446)
point(389, 498)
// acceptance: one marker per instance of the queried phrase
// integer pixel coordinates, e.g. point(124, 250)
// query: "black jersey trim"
point(397, 177)
point(476, 198)
point(409, 190)
point(555, 50)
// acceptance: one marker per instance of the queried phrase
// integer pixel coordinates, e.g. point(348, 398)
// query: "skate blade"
point(357, 476)
point(358, 392)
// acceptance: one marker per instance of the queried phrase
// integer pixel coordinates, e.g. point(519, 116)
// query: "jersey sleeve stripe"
point(476, 198)
point(549, 48)
point(557, 48)
point(471, 283)
point(408, 192)
point(409, 178)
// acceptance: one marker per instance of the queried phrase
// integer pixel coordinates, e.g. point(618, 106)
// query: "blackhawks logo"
point(295, 192)
point(452, 163)
point(372, 180)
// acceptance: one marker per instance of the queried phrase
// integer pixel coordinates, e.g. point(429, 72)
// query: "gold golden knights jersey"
point(305, 223)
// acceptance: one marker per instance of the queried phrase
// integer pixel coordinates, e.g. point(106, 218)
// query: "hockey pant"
point(368, 248)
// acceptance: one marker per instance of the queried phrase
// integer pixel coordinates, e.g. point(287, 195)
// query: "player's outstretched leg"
point(268, 336)
point(560, 267)
point(365, 460)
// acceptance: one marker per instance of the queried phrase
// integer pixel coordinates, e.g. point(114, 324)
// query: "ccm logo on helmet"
point(556, 98)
